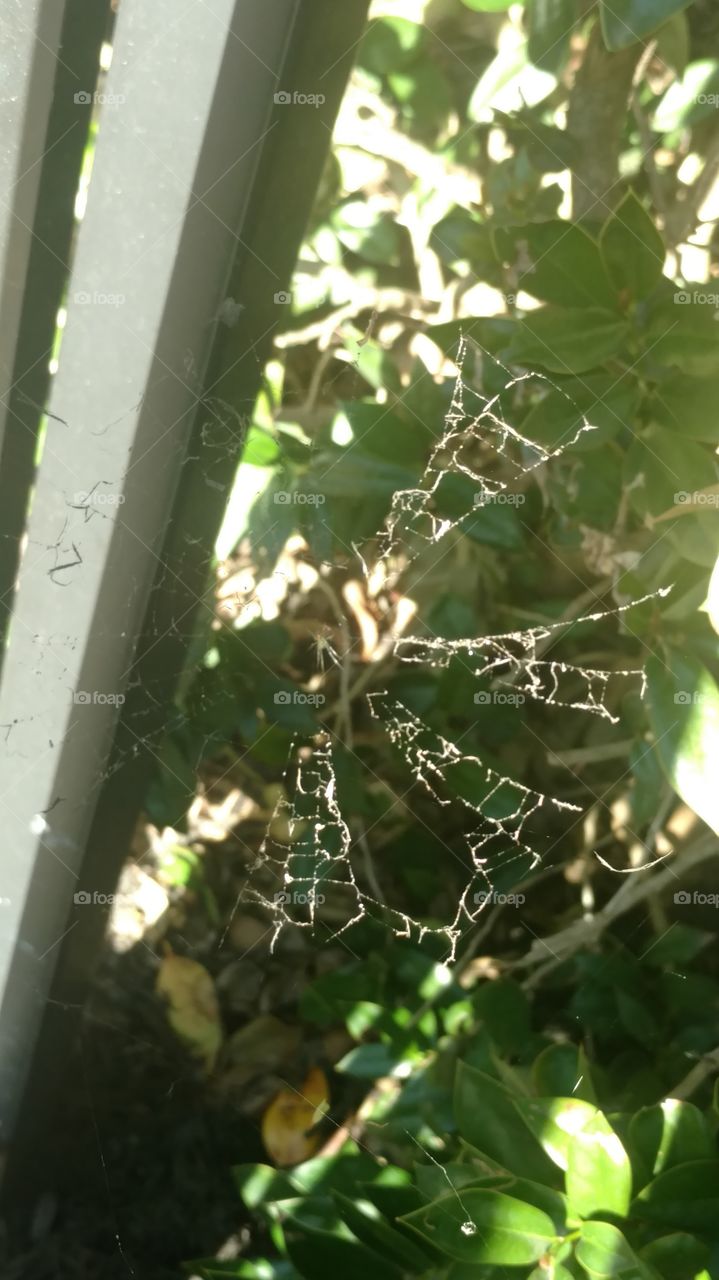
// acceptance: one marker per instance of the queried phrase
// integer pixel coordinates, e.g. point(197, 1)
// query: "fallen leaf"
point(193, 1009)
point(290, 1117)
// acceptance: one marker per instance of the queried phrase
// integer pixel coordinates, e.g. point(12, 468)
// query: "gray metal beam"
point(188, 102)
point(29, 40)
point(49, 50)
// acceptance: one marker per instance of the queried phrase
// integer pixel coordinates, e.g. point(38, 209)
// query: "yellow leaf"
point(289, 1118)
point(193, 1009)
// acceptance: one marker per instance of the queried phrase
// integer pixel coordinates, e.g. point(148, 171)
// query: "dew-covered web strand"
point(468, 1227)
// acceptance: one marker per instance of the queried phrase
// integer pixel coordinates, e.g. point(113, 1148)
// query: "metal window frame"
point(128, 412)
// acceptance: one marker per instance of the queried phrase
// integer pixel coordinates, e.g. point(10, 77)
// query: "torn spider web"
point(474, 443)
point(516, 655)
point(307, 868)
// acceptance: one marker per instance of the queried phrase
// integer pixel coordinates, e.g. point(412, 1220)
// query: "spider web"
point(308, 857)
point(516, 654)
point(474, 442)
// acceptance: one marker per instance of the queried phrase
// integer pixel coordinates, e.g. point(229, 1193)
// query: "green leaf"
point(562, 1070)
point(632, 249)
point(370, 1226)
point(494, 525)
point(624, 22)
point(673, 40)
point(599, 1174)
point(668, 1134)
point(549, 28)
point(685, 1197)
point(259, 1184)
point(599, 400)
point(676, 1256)
point(684, 714)
point(390, 44)
point(603, 1252)
point(369, 1061)
point(660, 468)
point(554, 1121)
point(484, 1227)
point(683, 331)
point(487, 6)
point(385, 434)
point(510, 83)
point(566, 341)
point(504, 1009)
point(690, 99)
point(488, 1119)
point(688, 406)
point(556, 262)
point(318, 1254)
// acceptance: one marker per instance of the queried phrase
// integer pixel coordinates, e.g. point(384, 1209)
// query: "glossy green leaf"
point(504, 1008)
point(684, 712)
point(673, 43)
point(624, 22)
point(668, 1134)
point(685, 1197)
point(562, 1070)
point(683, 332)
point(606, 403)
point(604, 1252)
point(370, 1226)
point(556, 262)
point(549, 28)
point(369, 1061)
point(488, 1119)
point(690, 99)
point(484, 1227)
point(566, 341)
point(554, 1121)
point(688, 406)
point(487, 6)
point(509, 83)
point(389, 44)
point(676, 1256)
point(599, 1174)
point(632, 249)
point(558, 1272)
point(661, 470)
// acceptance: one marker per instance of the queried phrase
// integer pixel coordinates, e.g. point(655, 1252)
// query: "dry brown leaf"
point(290, 1117)
point(193, 1012)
